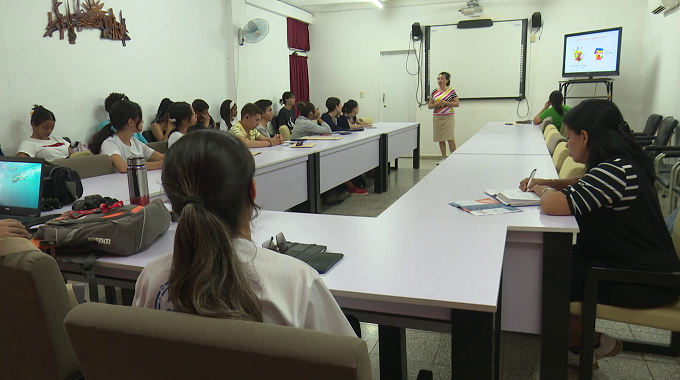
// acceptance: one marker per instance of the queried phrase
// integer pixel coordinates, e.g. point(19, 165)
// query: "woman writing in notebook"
point(442, 101)
point(215, 269)
point(617, 209)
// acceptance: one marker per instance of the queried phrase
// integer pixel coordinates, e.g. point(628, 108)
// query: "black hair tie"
point(192, 199)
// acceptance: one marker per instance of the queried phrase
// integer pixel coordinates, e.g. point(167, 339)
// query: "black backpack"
point(61, 183)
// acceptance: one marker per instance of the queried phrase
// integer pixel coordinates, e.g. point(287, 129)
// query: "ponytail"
point(40, 114)
point(97, 140)
point(178, 112)
point(349, 106)
point(556, 102)
point(121, 112)
point(286, 95)
point(217, 285)
point(207, 276)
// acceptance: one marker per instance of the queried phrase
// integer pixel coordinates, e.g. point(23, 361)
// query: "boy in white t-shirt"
point(126, 118)
point(216, 270)
point(42, 144)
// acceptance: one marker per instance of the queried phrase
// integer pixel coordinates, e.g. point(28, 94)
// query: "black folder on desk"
point(314, 255)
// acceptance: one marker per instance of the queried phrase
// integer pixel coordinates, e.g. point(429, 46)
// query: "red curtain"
point(298, 35)
point(299, 78)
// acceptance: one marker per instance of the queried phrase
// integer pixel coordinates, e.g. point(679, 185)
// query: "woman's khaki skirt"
point(443, 128)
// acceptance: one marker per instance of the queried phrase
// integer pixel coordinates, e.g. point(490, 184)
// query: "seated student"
point(334, 110)
point(348, 119)
point(161, 127)
point(108, 103)
point(617, 209)
point(287, 113)
point(215, 269)
point(246, 129)
point(42, 144)
point(202, 115)
point(266, 127)
point(13, 228)
point(117, 139)
point(182, 116)
point(553, 108)
point(228, 112)
point(309, 123)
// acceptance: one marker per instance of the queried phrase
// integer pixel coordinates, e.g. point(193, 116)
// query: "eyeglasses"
point(281, 245)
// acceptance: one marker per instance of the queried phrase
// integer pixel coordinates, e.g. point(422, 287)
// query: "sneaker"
point(574, 361)
point(609, 346)
point(357, 191)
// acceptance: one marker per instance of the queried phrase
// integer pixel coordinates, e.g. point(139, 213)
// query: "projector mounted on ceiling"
point(473, 9)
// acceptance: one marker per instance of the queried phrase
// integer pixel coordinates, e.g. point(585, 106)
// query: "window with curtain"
point(298, 35)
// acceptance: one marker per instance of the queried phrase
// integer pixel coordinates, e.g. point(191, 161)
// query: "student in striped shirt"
point(617, 209)
point(442, 100)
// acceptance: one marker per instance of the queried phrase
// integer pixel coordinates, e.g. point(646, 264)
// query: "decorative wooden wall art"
point(90, 15)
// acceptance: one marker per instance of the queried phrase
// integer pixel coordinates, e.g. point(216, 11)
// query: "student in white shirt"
point(42, 144)
point(126, 118)
point(266, 127)
point(182, 115)
point(215, 269)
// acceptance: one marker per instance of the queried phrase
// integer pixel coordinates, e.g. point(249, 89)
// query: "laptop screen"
point(20, 182)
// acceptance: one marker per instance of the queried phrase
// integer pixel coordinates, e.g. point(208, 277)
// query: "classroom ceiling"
point(322, 6)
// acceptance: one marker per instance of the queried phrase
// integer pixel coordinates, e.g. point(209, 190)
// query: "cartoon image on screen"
point(20, 184)
point(578, 55)
point(599, 52)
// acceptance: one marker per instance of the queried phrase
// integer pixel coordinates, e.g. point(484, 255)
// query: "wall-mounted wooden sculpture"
point(90, 15)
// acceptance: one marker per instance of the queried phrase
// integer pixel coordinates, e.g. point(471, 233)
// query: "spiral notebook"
point(515, 197)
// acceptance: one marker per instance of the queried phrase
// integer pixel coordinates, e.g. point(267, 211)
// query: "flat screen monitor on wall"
point(594, 53)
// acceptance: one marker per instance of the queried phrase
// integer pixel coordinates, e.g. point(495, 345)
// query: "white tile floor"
point(520, 356)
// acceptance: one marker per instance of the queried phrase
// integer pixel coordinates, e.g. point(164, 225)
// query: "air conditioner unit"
point(663, 6)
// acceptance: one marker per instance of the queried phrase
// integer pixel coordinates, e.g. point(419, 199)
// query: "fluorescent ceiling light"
point(377, 3)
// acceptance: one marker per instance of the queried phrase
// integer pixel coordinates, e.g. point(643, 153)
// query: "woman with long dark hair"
point(161, 127)
point(215, 269)
point(617, 209)
point(553, 108)
point(117, 139)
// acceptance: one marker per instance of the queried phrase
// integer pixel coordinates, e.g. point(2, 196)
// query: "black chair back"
point(666, 130)
point(148, 135)
point(653, 122)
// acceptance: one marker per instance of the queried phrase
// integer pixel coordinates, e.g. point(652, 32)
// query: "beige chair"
point(549, 131)
point(89, 165)
point(81, 154)
point(571, 169)
point(159, 146)
point(119, 342)
point(33, 305)
point(546, 122)
point(367, 119)
point(561, 153)
point(285, 132)
point(666, 317)
point(553, 141)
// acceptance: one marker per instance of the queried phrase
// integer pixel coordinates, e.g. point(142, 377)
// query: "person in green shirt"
point(553, 108)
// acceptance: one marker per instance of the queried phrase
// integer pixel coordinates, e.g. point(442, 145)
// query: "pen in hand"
point(531, 178)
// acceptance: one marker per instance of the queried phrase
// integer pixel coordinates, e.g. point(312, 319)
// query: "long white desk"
point(525, 141)
point(499, 127)
point(387, 275)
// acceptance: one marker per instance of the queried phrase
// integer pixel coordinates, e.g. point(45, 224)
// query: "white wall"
point(178, 50)
point(345, 60)
point(661, 65)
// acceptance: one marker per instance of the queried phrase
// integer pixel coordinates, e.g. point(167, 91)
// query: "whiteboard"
point(484, 63)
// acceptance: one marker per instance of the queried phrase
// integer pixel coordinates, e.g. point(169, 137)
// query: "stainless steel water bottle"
point(138, 182)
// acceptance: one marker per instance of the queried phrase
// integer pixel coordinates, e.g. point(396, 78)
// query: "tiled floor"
point(520, 354)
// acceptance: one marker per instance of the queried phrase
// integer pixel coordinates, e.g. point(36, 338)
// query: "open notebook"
point(515, 197)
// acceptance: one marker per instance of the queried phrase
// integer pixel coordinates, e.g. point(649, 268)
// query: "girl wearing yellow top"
point(443, 99)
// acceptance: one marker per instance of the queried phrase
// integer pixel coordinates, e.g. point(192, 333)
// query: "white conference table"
point(523, 141)
point(537, 264)
point(500, 127)
point(387, 276)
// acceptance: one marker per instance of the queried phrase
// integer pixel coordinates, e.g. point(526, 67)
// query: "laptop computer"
point(21, 187)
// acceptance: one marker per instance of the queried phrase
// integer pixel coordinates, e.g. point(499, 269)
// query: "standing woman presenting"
point(443, 99)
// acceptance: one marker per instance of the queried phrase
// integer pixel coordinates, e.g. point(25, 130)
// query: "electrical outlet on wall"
point(533, 38)
point(361, 93)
